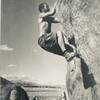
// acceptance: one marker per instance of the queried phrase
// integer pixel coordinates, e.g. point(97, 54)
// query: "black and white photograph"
point(50, 50)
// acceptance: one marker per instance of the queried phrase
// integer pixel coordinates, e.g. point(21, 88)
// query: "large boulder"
point(81, 18)
point(10, 91)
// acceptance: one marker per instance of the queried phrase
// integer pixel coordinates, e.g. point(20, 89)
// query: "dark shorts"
point(49, 42)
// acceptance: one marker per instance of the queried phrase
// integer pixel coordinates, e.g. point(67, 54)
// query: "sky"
point(20, 54)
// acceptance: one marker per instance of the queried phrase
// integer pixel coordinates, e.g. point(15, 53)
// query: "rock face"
point(81, 18)
point(10, 91)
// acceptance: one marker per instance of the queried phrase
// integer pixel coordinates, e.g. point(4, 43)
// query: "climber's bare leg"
point(61, 42)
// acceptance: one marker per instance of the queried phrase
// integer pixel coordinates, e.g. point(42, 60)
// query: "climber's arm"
point(50, 13)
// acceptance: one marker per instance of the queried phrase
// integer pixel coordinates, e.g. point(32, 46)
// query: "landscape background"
point(31, 89)
point(20, 55)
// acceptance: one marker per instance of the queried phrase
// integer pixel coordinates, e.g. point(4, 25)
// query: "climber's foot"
point(69, 56)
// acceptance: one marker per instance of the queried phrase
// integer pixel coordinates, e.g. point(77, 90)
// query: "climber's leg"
point(54, 43)
point(61, 42)
point(49, 42)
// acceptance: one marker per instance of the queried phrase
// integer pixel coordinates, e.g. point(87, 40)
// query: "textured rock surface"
point(82, 18)
point(7, 87)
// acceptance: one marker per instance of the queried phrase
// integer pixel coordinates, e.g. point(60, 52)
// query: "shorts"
point(49, 42)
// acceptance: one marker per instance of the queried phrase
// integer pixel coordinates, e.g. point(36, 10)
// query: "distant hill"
point(4, 81)
point(24, 81)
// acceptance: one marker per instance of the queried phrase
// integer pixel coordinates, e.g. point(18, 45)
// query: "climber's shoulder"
point(42, 17)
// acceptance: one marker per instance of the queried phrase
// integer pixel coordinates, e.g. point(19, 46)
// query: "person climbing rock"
point(50, 41)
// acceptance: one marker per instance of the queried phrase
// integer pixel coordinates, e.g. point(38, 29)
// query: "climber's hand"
point(55, 5)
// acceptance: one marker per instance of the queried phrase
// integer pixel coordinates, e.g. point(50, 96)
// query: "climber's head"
point(44, 7)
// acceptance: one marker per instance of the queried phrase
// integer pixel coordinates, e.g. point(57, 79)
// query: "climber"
point(53, 42)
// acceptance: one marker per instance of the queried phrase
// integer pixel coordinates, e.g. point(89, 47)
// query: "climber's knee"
point(59, 33)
